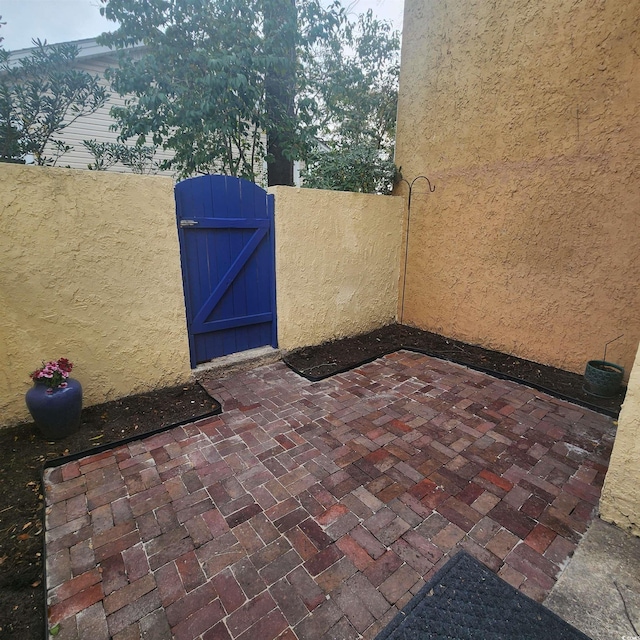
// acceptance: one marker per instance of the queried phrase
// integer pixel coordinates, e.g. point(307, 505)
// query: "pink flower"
point(64, 365)
point(53, 373)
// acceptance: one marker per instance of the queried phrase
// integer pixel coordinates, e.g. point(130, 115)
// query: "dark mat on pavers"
point(467, 601)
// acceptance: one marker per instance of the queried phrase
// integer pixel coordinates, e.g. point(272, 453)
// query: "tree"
point(40, 96)
point(354, 80)
point(212, 76)
point(9, 136)
point(280, 28)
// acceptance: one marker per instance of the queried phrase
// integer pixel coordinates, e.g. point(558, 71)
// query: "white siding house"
point(94, 59)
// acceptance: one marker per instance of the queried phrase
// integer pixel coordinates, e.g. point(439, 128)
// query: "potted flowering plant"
point(55, 400)
point(53, 374)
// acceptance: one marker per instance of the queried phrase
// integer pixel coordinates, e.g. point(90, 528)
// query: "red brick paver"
point(316, 510)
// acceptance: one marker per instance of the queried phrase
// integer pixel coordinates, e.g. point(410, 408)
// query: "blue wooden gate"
point(225, 226)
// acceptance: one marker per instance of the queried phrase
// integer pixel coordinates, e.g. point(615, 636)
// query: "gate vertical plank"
point(239, 239)
point(222, 258)
point(205, 256)
point(261, 277)
point(271, 213)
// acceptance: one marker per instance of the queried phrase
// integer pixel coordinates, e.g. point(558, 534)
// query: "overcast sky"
point(65, 20)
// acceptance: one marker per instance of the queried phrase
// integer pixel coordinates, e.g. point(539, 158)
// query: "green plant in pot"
point(602, 378)
point(55, 400)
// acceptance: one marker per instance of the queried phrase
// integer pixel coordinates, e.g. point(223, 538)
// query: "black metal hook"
point(432, 188)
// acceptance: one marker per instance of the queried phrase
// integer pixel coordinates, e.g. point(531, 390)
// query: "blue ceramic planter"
point(56, 414)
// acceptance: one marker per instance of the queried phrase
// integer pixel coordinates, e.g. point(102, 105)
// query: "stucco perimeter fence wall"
point(337, 263)
point(89, 270)
point(526, 117)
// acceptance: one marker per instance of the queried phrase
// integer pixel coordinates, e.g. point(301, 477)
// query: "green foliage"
point(212, 76)
point(279, 32)
point(198, 86)
point(138, 158)
point(105, 154)
point(353, 80)
point(361, 168)
point(191, 86)
point(9, 136)
point(40, 96)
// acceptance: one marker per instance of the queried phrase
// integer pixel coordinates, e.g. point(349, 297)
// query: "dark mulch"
point(24, 454)
point(316, 363)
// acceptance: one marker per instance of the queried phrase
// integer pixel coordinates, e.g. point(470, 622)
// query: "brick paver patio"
point(315, 510)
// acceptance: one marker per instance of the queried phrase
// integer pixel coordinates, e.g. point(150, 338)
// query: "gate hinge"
point(188, 223)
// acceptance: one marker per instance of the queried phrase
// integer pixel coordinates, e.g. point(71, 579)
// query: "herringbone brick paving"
point(316, 510)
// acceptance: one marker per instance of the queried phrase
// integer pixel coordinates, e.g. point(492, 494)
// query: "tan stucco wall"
point(89, 270)
point(620, 500)
point(337, 263)
point(526, 117)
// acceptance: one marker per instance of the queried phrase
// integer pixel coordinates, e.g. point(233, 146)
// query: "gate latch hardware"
point(188, 223)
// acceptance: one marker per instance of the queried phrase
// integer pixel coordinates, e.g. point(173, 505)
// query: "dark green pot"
point(602, 379)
